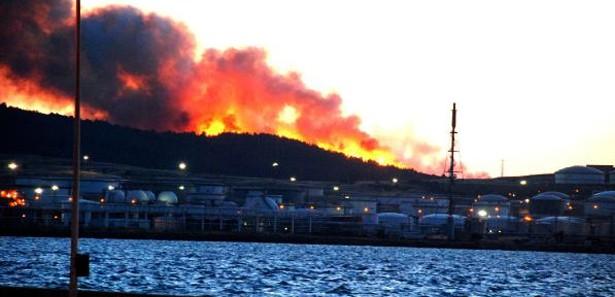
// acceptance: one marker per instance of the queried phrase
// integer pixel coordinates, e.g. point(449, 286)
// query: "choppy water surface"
point(257, 269)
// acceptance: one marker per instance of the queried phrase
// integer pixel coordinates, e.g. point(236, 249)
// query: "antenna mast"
point(502, 168)
point(451, 175)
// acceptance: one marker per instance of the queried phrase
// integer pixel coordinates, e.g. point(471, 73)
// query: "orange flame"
point(226, 91)
point(131, 81)
point(236, 91)
point(28, 95)
point(13, 197)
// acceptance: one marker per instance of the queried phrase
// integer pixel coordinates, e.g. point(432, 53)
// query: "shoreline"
point(10, 291)
point(483, 244)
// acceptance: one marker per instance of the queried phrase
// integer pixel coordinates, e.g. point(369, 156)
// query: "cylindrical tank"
point(491, 205)
point(543, 205)
point(137, 196)
point(393, 218)
point(115, 196)
point(150, 196)
point(579, 175)
point(167, 197)
point(565, 225)
point(601, 204)
point(439, 219)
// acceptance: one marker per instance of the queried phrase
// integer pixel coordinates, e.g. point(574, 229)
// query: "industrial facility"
point(579, 204)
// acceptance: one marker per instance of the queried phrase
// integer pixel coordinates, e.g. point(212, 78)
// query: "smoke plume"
point(139, 70)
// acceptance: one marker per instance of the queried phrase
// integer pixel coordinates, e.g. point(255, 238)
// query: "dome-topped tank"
point(547, 204)
point(167, 197)
point(150, 196)
point(115, 196)
point(137, 196)
point(442, 219)
point(601, 204)
point(554, 193)
point(493, 198)
point(491, 205)
point(392, 218)
point(579, 175)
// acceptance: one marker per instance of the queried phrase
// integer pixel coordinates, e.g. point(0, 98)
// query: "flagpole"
point(74, 227)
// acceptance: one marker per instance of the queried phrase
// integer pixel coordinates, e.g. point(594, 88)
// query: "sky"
point(534, 81)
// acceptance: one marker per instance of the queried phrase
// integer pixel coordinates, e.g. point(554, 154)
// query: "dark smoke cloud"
point(36, 43)
point(139, 70)
point(155, 49)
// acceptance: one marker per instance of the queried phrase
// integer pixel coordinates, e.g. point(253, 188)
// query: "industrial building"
point(182, 203)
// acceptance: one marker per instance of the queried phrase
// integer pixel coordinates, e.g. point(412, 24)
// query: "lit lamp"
point(395, 180)
point(182, 166)
point(12, 166)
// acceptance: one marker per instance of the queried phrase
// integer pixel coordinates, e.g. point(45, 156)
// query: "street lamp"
point(182, 166)
point(293, 179)
point(110, 187)
point(38, 191)
point(12, 166)
point(86, 157)
point(523, 182)
point(482, 213)
point(275, 164)
point(55, 188)
point(181, 187)
point(395, 180)
point(336, 188)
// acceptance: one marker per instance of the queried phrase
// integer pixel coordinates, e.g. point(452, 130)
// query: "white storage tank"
point(491, 205)
point(557, 224)
point(579, 175)
point(440, 219)
point(167, 197)
point(115, 196)
point(601, 204)
point(393, 218)
point(548, 204)
point(137, 196)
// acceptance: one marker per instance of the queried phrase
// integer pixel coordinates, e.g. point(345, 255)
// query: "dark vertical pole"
point(451, 176)
point(74, 228)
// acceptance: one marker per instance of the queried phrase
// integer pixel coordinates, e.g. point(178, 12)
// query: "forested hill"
point(25, 132)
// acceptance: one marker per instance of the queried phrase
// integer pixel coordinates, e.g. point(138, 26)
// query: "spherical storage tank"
point(150, 196)
point(392, 218)
point(548, 204)
point(601, 204)
point(115, 196)
point(438, 219)
point(167, 197)
point(137, 196)
point(566, 225)
point(492, 205)
point(579, 175)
